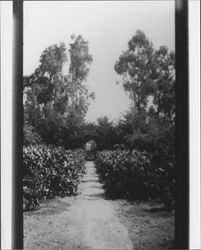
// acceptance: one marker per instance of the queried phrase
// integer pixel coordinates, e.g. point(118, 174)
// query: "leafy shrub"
point(50, 172)
point(133, 176)
point(163, 158)
point(123, 173)
point(31, 137)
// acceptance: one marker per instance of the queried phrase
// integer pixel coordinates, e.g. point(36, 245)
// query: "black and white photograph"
point(100, 126)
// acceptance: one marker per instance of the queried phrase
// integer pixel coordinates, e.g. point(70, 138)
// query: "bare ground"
point(150, 226)
point(89, 221)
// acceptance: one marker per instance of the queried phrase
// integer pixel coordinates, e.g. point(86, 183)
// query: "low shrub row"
point(50, 172)
point(133, 176)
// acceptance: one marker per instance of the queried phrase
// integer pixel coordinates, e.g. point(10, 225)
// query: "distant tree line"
point(56, 99)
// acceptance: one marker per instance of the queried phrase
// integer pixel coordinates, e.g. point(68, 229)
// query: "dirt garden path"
point(85, 222)
point(100, 225)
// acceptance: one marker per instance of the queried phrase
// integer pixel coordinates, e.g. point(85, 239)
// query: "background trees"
point(148, 75)
point(135, 65)
point(56, 100)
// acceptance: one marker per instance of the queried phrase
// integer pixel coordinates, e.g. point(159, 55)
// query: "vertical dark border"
point(182, 126)
point(17, 131)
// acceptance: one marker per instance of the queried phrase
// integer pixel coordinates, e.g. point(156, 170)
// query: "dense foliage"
point(148, 72)
point(135, 176)
point(56, 100)
point(31, 137)
point(56, 96)
point(50, 172)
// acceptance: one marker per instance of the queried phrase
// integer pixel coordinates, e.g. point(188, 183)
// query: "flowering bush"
point(133, 176)
point(50, 172)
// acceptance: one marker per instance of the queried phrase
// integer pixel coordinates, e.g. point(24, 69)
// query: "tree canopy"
point(148, 72)
point(56, 96)
point(56, 101)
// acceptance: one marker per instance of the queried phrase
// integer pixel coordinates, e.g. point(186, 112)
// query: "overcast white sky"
point(108, 26)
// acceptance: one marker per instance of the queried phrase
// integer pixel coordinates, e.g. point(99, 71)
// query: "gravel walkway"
point(88, 221)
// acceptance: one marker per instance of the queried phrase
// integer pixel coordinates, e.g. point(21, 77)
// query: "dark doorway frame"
point(182, 126)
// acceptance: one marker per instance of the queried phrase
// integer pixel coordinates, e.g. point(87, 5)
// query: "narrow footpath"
point(87, 221)
point(100, 225)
